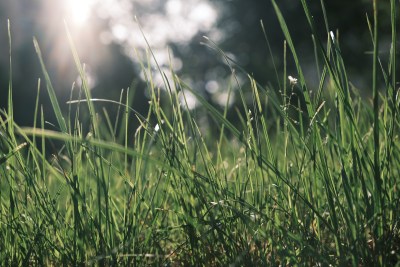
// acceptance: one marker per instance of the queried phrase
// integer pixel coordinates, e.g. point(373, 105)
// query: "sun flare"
point(78, 11)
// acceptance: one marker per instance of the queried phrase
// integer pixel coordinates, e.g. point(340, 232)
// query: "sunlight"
point(78, 11)
point(102, 23)
point(163, 22)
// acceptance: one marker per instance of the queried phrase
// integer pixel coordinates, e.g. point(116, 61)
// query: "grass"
point(303, 178)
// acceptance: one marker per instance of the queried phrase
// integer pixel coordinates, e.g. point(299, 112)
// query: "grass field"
point(313, 182)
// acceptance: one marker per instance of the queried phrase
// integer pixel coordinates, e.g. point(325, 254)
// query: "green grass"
point(312, 182)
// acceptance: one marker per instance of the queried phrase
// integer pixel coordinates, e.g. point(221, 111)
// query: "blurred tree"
point(238, 33)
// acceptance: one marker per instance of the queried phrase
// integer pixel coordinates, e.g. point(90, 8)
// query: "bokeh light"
point(101, 23)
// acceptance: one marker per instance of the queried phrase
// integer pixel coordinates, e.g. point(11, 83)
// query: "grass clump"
point(306, 182)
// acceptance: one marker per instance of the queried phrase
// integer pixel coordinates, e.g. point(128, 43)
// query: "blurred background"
point(106, 34)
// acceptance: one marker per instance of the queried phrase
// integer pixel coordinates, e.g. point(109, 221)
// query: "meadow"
point(311, 182)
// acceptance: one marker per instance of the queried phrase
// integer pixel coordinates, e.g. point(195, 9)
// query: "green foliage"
point(305, 178)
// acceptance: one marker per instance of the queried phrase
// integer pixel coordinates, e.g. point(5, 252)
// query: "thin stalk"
point(377, 172)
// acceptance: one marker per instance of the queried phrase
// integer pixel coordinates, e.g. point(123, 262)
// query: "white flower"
point(293, 81)
point(157, 127)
